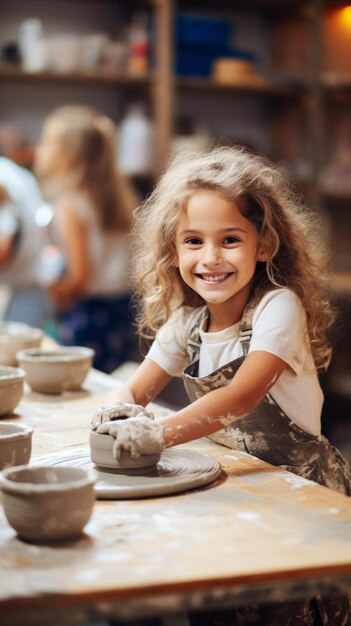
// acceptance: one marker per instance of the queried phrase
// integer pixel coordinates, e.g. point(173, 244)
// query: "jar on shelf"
point(136, 143)
point(138, 61)
point(32, 45)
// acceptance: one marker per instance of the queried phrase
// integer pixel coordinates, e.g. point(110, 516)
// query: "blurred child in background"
point(21, 240)
point(93, 204)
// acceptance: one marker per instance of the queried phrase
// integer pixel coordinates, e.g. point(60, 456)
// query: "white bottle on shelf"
point(136, 143)
point(32, 45)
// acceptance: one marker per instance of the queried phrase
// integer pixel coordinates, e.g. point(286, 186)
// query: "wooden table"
point(257, 533)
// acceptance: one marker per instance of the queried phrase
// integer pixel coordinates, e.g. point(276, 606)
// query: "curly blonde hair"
point(267, 198)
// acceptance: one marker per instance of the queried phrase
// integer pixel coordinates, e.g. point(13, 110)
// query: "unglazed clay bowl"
point(11, 388)
point(15, 336)
point(101, 453)
point(55, 371)
point(15, 444)
point(46, 504)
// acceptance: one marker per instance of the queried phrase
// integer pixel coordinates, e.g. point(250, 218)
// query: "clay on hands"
point(118, 410)
point(137, 435)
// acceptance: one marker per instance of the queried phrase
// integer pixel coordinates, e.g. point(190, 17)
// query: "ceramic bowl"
point(101, 453)
point(54, 371)
point(45, 504)
point(15, 336)
point(11, 388)
point(15, 444)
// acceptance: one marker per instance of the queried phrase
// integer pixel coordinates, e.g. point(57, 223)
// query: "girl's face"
point(217, 251)
point(50, 158)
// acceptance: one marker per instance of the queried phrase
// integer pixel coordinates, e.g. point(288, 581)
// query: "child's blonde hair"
point(265, 197)
point(88, 142)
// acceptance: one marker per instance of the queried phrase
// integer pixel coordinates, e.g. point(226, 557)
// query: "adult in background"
point(21, 242)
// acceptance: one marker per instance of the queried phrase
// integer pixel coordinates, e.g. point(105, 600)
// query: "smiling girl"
point(230, 270)
point(230, 276)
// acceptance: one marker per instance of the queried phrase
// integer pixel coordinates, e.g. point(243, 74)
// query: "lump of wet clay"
point(102, 453)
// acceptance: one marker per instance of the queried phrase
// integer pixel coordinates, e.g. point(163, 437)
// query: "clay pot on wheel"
point(101, 453)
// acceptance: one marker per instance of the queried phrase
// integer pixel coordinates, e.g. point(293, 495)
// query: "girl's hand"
point(119, 410)
point(61, 298)
point(137, 435)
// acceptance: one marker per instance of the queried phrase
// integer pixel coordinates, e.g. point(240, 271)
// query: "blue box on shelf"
point(197, 62)
point(200, 40)
point(200, 30)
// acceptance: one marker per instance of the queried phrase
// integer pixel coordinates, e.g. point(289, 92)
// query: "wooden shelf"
point(81, 77)
point(264, 87)
point(265, 6)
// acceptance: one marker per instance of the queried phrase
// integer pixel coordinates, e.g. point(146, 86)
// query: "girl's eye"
point(193, 241)
point(231, 239)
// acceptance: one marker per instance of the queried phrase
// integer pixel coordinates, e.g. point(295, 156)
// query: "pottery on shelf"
point(55, 371)
point(15, 444)
point(47, 504)
point(15, 336)
point(11, 388)
point(101, 453)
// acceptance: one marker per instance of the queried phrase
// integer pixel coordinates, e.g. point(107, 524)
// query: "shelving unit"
point(153, 86)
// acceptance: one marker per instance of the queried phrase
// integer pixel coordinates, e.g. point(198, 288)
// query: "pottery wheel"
point(177, 470)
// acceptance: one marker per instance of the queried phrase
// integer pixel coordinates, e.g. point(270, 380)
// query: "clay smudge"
point(112, 557)
point(297, 482)
point(259, 439)
point(247, 515)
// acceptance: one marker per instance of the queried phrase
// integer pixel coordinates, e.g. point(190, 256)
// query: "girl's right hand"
point(137, 435)
point(119, 410)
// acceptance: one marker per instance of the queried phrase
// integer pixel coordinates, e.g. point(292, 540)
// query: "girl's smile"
point(214, 278)
point(217, 251)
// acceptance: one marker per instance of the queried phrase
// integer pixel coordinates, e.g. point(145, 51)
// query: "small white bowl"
point(46, 504)
point(101, 453)
point(11, 388)
point(15, 444)
point(54, 371)
point(15, 336)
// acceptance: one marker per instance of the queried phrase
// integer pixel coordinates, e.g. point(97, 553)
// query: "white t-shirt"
point(278, 327)
point(108, 254)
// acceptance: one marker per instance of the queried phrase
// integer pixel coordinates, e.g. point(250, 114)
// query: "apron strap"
point(194, 339)
point(246, 328)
